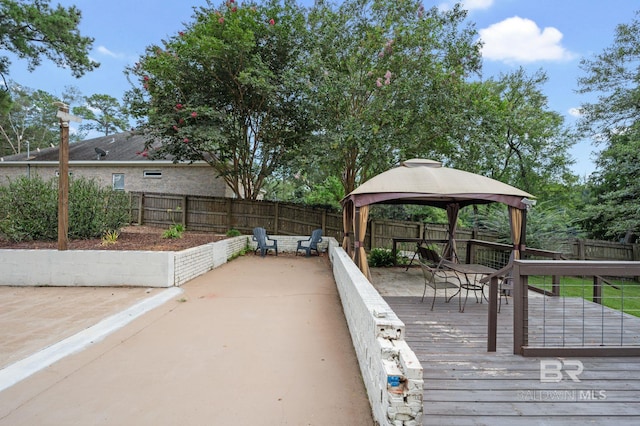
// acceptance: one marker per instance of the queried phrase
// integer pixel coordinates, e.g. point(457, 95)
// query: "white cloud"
point(104, 51)
point(468, 4)
point(477, 4)
point(575, 112)
point(520, 40)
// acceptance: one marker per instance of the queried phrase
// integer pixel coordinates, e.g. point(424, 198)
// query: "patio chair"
point(437, 277)
point(264, 242)
point(310, 243)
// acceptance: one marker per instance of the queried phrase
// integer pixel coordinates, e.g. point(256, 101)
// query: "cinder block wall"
point(391, 371)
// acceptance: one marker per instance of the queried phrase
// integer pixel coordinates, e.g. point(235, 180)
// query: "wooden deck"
point(466, 385)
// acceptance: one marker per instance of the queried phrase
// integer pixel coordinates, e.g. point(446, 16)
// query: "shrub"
point(381, 257)
point(110, 237)
point(29, 209)
point(233, 233)
point(175, 231)
point(94, 210)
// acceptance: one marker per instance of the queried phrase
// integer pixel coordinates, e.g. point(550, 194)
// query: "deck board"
point(466, 385)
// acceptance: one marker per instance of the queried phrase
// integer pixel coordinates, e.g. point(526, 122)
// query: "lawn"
point(622, 294)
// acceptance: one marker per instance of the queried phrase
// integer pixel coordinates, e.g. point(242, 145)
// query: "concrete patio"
point(255, 341)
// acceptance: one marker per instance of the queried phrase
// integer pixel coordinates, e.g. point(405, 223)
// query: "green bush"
point(175, 231)
point(94, 210)
point(381, 257)
point(233, 233)
point(29, 209)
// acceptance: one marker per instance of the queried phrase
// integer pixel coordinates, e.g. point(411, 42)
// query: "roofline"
point(102, 163)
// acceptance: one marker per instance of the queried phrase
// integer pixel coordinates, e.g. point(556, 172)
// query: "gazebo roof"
point(420, 181)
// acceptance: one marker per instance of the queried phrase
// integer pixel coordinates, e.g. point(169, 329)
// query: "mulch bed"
point(130, 238)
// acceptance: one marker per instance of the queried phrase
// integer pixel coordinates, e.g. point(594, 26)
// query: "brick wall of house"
point(191, 179)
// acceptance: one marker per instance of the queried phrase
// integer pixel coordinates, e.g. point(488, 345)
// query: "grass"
point(624, 297)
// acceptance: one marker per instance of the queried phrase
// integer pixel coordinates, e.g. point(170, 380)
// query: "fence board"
point(216, 214)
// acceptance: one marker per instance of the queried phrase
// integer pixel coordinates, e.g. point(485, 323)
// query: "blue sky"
point(552, 35)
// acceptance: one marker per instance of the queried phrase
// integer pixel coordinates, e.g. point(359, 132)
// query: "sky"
point(548, 35)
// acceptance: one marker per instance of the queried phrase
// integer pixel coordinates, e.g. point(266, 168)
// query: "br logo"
point(551, 370)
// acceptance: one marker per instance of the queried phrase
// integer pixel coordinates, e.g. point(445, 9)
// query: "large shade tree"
point(614, 121)
point(102, 113)
point(512, 135)
point(33, 30)
point(228, 90)
point(385, 76)
point(31, 120)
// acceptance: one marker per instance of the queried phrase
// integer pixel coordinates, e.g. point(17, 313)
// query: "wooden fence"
point(216, 214)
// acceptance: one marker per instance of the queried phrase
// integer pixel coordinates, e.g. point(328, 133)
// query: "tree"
point(227, 90)
point(33, 30)
point(512, 136)
point(103, 113)
point(385, 75)
point(31, 120)
point(613, 210)
point(614, 120)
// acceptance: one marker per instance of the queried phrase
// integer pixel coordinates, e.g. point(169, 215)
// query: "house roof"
point(124, 146)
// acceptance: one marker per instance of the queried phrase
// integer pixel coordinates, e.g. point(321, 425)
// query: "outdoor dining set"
point(445, 274)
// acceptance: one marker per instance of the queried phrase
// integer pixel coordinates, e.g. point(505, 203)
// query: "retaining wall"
point(391, 371)
point(109, 268)
point(114, 268)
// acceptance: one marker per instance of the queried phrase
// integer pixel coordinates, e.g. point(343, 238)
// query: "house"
point(120, 162)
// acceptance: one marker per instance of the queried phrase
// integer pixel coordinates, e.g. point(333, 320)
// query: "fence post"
point(276, 218)
point(140, 209)
point(373, 242)
point(581, 250)
point(230, 223)
point(492, 321)
point(520, 310)
point(184, 211)
point(597, 290)
point(324, 222)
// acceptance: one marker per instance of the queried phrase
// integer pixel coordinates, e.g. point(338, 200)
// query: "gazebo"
point(426, 182)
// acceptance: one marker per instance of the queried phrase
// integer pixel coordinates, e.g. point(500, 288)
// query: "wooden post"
point(230, 223)
point(276, 218)
point(372, 233)
point(141, 209)
point(597, 290)
point(581, 251)
point(184, 211)
point(520, 310)
point(63, 178)
point(492, 321)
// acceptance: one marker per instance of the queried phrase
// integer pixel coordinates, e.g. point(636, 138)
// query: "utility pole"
point(63, 172)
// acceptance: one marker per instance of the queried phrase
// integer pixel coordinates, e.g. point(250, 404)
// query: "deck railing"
point(587, 318)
